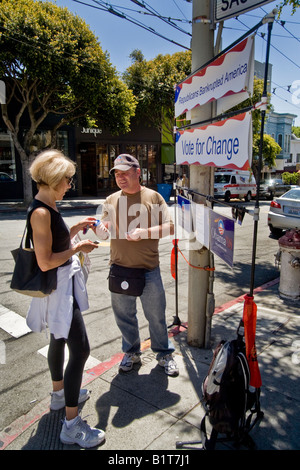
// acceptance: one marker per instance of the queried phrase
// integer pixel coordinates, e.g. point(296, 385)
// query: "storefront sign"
point(225, 9)
point(91, 130)
point(230, 74)
point(224, 144)
point(222, 237)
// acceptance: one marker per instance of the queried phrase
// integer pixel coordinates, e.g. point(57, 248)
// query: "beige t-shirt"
point(125, 212)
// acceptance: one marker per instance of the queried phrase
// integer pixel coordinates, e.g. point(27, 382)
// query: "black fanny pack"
point(128, 281)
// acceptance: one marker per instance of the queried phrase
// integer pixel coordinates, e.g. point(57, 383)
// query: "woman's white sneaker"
point(58, 398)
point(81, 433)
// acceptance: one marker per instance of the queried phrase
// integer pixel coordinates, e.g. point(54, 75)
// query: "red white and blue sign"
point(222, 237)
point(227, 79)
point(223, 144)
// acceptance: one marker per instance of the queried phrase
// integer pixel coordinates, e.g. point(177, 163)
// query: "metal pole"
point(270, 19)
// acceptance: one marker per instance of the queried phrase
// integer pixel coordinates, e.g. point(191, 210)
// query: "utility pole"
point(201, 180)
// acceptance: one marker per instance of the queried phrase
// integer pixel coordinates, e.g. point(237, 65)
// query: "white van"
point(232, 184)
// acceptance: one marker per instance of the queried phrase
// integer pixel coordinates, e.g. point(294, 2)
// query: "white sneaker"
point(169, 364)
point(82, 434)
point(58, 399)
point(128, 360)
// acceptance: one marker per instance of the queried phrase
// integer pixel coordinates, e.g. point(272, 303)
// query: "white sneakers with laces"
point(79, 432)
point(167, 362)
point(58, 398)
point(128, 360)
point(169, 365)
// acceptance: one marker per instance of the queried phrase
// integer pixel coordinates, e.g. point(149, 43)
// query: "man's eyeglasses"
point(69, 179)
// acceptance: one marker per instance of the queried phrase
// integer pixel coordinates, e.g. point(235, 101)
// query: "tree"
point(290, 178)
point(296, 131)
point(270, 149)
point(53, 65)
point(153, 82)
point(293, 3)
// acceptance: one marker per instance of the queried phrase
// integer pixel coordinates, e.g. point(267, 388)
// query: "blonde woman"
point(61, 310)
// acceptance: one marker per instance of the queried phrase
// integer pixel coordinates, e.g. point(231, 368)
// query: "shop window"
point(114, 151)
point(142, 158)
point(152, 165)
point(62, 142)
point(102, 166)
point(147, 157)
point(42, 140)
point(7, 158)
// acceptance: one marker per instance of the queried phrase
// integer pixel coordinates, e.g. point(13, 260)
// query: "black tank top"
point(60, 231)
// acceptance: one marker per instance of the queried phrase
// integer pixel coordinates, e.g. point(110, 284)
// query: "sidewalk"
point(65, 204)
point(147, 410)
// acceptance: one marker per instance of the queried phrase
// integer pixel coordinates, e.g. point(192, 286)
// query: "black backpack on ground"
point(228, 402)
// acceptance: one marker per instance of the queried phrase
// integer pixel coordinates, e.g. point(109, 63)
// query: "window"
point(102, 165)
point(146, 155)
point(7, 158)
point(287, 141)
point(62, 142)
point(42, 139)
point(152, 167)
point(114, 151)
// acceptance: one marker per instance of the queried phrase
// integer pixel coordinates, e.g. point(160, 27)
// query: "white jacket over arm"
point(56, 310)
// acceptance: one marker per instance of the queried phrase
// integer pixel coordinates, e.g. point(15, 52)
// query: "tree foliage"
point(290, 178)
point(296, 131)
point(53, 65)
point(153, 82)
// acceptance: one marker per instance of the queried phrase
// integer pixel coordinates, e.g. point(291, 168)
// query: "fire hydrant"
point(289, 286)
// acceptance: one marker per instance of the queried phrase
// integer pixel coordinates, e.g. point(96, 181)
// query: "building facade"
point(94, 151)
point(279, 126)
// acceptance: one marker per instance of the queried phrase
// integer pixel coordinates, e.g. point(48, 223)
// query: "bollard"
point(289, 285)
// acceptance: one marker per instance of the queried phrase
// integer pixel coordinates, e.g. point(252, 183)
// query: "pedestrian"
point(61, 310)
point(137, 217)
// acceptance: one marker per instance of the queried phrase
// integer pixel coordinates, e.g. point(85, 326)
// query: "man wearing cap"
point(137, 217)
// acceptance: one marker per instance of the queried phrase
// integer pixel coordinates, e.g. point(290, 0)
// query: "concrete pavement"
point(145, 410)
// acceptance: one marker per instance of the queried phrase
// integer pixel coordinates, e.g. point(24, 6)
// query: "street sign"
point(225, 9)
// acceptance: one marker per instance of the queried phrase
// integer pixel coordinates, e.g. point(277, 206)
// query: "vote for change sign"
point(224, 144)
point(228, 76)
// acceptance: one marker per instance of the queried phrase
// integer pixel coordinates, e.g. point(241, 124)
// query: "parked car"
point(284, 212)
point(271, 188)
point(5, 177)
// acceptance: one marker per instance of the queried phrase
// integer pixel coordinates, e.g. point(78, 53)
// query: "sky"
point(120, 36)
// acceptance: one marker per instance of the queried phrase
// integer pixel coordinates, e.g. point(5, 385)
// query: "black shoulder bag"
point(28, 278)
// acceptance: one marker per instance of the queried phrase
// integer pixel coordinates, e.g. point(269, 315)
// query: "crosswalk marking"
point(13, 323)
point(16, 326)
point(90, 363)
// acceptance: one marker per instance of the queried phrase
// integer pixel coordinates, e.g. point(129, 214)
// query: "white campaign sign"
point(225, 144)
point(229, 74)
